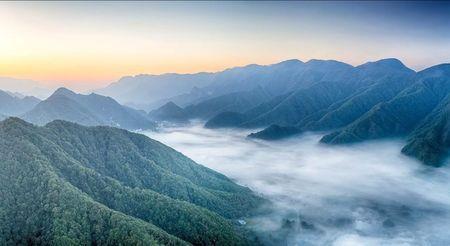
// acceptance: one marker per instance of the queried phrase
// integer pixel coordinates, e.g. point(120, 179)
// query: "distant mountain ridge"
point(12, 104)
point(236, 101)
point(88, 110)
point(380, 99)
point(187, 89)
point(143, 91)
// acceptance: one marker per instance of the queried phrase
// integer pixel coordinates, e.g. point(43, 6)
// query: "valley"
point(224, 123)
point(363, 194)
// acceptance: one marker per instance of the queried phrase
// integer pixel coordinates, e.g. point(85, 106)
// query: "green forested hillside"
point(419, 113)
point(398, 116)
point(430, 142)
point(66, 184)
point(354, 106)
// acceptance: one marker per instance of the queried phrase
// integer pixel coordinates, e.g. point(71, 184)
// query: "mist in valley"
point(363, 194)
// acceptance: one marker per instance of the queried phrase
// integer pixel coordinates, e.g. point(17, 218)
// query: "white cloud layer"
point(365, 194)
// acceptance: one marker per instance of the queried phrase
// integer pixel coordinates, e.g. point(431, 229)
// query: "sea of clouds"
point(363, 194)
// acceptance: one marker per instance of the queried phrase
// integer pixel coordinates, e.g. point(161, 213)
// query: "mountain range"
point(90, 110)
point(72, 178)
point(204, 110)
point(380, 99)
point(151, 91)
point(14, 104)
point(67, 184)
point(375, 100)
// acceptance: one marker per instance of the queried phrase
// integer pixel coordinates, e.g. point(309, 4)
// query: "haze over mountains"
point(235, 101)
point(381, 99)
point(150, 123)
point(15, 104)
point(374, 100)
point(362, 194)
point(114, 185)
point(88, 110)
point(25, 87)
point(187, 89)
point(144, 91)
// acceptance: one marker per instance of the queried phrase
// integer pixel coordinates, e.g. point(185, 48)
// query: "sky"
point(87, 45)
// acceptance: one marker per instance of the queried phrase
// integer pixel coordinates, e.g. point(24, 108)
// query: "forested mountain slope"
point(430, 142)
point(89, 110)
point(401, 114)
point(336, 95)
point(381, 99)
point(67, 184)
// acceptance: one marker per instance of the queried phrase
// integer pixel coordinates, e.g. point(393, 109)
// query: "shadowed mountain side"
point(400, 115)
point(299, 105)
point(342, 113)
point(329, 92)
point(187, 89)
point(430, 142)
point(169, 112)
point(226, 119)
point(275, 132)
point(236, 102)
point(381, 99)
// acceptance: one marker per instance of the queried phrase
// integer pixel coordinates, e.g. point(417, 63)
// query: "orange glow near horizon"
point(89, 45)
point(96, 73)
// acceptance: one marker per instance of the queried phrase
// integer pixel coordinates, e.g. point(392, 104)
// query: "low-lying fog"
point(365, 194)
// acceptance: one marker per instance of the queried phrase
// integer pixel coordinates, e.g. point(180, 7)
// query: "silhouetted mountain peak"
point(386, 64)
point(290, 62)
point(437, 71)
point(169, 111)
point(31, 98)
point(171, 106)
point(327, 64)
point(63, 91)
